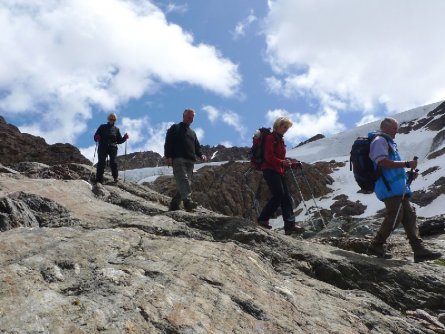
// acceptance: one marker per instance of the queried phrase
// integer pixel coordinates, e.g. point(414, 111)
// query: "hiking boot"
point(378, 250)
point(296, 229)
point(115, 180)
point(264, 224)
point(423, 254)
point(189, 205)
point(174, 206)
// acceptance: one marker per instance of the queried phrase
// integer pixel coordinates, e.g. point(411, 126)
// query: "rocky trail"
point(83, 258)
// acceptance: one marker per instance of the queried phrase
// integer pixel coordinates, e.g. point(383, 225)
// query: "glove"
point(125, 137)
point(97, 138)
point(412, 175)
point(296, 164)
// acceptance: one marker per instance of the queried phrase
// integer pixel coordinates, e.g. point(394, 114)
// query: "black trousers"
point(102, 153)
point(280, 197)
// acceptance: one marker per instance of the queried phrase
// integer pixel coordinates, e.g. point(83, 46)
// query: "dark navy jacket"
point(181, 142)
point(109, 135)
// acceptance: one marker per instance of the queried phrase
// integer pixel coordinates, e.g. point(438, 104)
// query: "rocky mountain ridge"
point(18, 147)
point(152, 159)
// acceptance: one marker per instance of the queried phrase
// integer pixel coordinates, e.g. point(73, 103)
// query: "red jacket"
point(274, 153)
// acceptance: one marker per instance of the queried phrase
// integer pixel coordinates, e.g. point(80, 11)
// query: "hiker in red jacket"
point(274, 167)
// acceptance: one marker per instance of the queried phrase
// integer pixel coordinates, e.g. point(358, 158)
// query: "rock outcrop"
point(222, 153)
point(139, 160)
point(153, 159)
point(18, 147)
point(310, 140)
point(121, 263)
point(237, 190)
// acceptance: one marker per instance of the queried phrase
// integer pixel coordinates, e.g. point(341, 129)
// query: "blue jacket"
point(395, 177)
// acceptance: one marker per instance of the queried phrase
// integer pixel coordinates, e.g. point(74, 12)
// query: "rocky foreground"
point(78, 258)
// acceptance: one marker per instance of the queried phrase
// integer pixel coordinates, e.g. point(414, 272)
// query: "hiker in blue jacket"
point(390, 188)
point(180, 151)
point(108, 136)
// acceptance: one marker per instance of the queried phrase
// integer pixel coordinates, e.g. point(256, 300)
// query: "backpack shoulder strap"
point(388, 140)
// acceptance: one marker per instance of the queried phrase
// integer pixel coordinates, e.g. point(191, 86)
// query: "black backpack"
point(256, 153)
point(361, 164)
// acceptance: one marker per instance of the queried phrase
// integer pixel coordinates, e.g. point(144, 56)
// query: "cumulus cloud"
point(357, 55)
point(156, 138)
point(307, 125)
point(89, 153)
point(234, 120)
point(145, 136)
point(137, 128)
point(212, 113)
point(227, 144)
point(174, 8)
point(242, 26)
point(200, 133)
point(65, 59)
point(228, 117)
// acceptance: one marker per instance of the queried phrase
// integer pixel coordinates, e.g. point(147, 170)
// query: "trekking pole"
point(247, 172)
point(313, 198)
point(125, 159)
point(301, 195)
point(94, 158)
point(411, 174)
point(299, 189)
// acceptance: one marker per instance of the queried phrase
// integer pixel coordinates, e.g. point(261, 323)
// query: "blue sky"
point(328, 65)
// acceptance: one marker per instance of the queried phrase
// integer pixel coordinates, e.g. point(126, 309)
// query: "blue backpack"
point(361, 164)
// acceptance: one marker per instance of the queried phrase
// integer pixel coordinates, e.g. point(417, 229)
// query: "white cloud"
point(90, 153)
point(242, 26)
point(64, 57)
point(136, 128)
point(156, 138)
point(145, 136)
point(234, 120)
point(212, 113)
point(307, 125)
point(174, 8)
point(227, 144)
point(367, 119)
point(228, 117)
point(357, 55)
point(200, 134)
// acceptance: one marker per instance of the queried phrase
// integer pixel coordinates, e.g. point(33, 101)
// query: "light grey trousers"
point(183, 172)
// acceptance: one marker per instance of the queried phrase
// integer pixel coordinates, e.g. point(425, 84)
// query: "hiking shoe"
point(115, 180)
point(378, 250)
point(264, 224)
point(423, 254)
point(174, 206)
point(296, 229)
point(189, 205)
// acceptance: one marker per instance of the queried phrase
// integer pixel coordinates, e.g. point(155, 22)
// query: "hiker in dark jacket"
point(180, 151)
point(274, 167)
point(384, 154)
point(108, 136)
